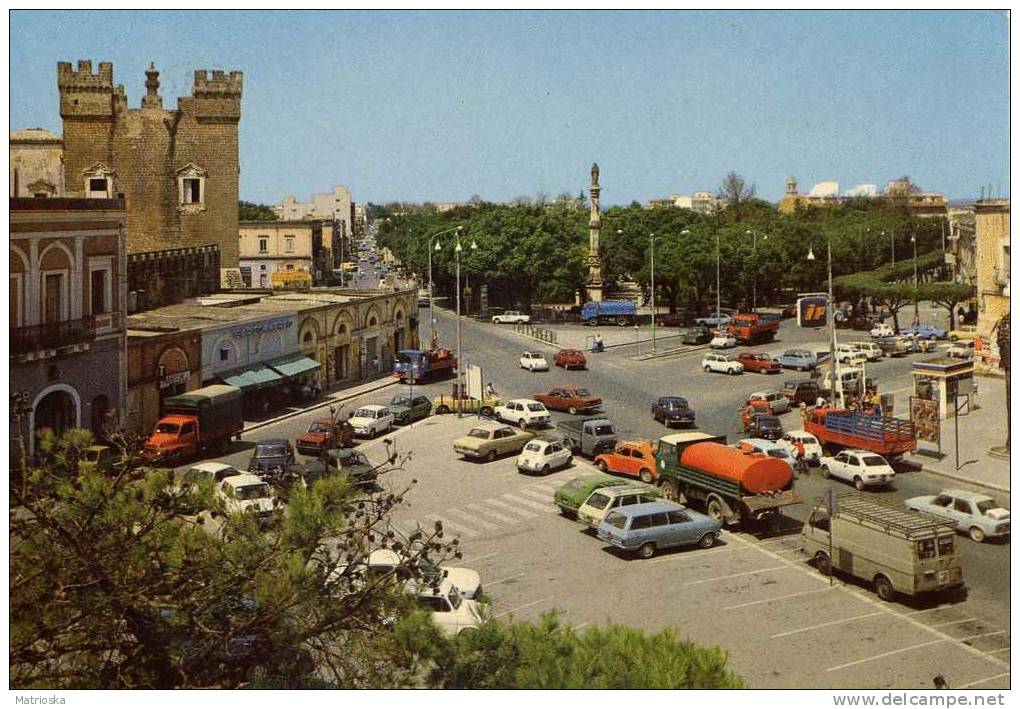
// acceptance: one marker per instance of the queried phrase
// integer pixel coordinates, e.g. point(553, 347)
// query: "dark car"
point(407, 409)
point(697, 335)
point(673, 411)
point(272, 457)
point(764, 426)
point(672, 320)
point(806, 391)
point(340, 460)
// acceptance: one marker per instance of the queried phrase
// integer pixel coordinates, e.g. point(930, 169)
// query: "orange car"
point(634, 458)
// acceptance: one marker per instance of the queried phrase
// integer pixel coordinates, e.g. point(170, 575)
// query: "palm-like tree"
point(1001, 331)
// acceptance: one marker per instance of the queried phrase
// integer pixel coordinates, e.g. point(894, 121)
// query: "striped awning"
point(257, 376)
point(294, 365)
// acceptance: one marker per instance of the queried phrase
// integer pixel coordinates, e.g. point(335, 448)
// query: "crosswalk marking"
point(548, 488)
point(452, 525)
point(471, 518)
point(538, 494)
point(511, 508)
point(529, 503)
point(494, 515)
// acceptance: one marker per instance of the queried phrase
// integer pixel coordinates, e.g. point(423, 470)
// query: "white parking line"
point(452, 525)
point(982, 681)
point(953, 622)
point(520, 608)
point(884, 654)
point(511, 508)
point(548, 489)
point(694, 556)
point(777, 598)
point(490, 513)
point(471, 518)
point(980, 635)
point(582, 625)
point(929, 610)
point(476, 559)
point(1001, 649)
point(826, 625)
point(489, 584)
point(731, 576)
point(547, 507)
point(537, 494)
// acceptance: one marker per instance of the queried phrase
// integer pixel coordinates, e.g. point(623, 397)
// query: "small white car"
point(451, 612)
point(770, 448)
point(961, 350)
point(370, 420)
point(510, 316)
point(212, 470)
point(812, 448)
point(542, 456)
point(721, 363)
point(534, 362)
point(776, 400)
point(467, 581)
point(869, 349)
point(241, 493)
point(882, 330)
point(847, 353)
point(523, 412)
point(722, 341)
point(862, 468)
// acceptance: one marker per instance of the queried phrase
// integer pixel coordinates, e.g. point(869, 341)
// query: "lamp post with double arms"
point(460, 365)
point(831, 311)
point(917, 311)
point(651, 238)
point(432, 314)
point(754, 275)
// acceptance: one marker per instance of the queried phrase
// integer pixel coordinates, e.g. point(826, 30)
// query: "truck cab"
point(175, 437)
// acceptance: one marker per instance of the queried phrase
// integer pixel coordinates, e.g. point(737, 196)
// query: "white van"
point(847, 379)
point(871, 350)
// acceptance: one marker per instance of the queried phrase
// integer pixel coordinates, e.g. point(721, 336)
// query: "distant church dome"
point(34, 135)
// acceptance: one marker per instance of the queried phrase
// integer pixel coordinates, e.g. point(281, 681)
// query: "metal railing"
point(52, 335)
point(539, 333)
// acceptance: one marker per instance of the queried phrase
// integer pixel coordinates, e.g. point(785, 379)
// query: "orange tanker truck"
point(731, 484)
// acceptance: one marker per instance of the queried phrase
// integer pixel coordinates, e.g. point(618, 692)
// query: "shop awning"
point(257, 376)
point(294, 365)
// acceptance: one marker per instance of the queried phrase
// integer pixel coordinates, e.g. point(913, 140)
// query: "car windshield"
point(534, 447)
point(761, 357)
point(401, 401)
point(454, 597)
point(809, 440)
point(874, 460)
point(768, 422)
point(479, 433)
point(364, 414)
point(778, 453)
point(598, 501)
point(270, 450)
point(676, 403)
point(319, 428)
point(167, 428)
point(405, 358)
point(582, 392)
point(252, 492)
point(616, 520)
point(604, 430)
point(985, 505)
point(535, 407)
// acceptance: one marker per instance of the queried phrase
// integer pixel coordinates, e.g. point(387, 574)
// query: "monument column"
point(594, 284)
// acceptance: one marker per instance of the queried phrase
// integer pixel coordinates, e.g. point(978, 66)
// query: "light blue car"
point(972, 513)
point(717, 320)
point(928, 332)
point(650, 526)
point(803, 360)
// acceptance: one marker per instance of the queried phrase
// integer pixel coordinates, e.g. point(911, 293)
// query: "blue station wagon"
point(651, 526)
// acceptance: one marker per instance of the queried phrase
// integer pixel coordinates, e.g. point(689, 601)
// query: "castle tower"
point(178, 169)
point(594, 285)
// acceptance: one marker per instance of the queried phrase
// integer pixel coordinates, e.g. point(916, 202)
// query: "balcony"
point(51, 336)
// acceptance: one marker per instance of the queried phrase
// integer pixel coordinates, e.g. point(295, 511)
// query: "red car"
point(571, 399)
point(759, 362)
point(570, 358)
point(324, 434)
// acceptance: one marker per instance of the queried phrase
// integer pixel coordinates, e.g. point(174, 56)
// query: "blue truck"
point(420, 365)
point(621, 312)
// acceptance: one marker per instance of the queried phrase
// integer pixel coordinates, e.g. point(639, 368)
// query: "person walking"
point(803, 414)
point(490, 391)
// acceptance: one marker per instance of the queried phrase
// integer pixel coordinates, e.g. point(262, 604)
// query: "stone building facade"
point(177, 169)
point(991, 220)
point(267, 247)
point(158, 278)
point(36, 164)
point(160, 364)
point(335, 205)
point(67, 301)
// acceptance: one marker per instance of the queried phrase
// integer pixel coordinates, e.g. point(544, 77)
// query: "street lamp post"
point(460, 364)
point(754, 276)
point(718, 298)
point(917, 311)
point(832, 322)
point(432, 314)
point(651, 238)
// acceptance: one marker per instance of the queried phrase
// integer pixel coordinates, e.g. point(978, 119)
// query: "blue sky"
point(443, 105)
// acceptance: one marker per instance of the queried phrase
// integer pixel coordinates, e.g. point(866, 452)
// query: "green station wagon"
point(571, 495)
point(408, 410)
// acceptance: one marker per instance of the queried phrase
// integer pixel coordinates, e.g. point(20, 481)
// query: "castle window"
point(192, 191)
point(191, 188)
point(263, 245)
point(288, 244)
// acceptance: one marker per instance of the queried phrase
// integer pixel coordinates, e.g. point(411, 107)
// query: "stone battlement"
point(219, 84)
point(83, 78)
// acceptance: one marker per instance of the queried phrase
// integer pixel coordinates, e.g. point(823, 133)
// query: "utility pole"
point(652, 238)
point(917, 311)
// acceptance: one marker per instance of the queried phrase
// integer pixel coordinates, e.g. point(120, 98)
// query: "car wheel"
point(545, 469)
point(858, 483)
point(715, 509)
point(593, 322)
point(523, 424)
point(490, 457)
point(486, 411)
point(825, 472)
point(884, 588)
point(622, 322)
point(707, 541)
point(570, 460)
point(647, 550)
point(977, 534)
point(572, 410)
point(601, 465)
point(707, 368)
point(731, 371)
point(443, 409)
point(822, 563)
point(646, 476)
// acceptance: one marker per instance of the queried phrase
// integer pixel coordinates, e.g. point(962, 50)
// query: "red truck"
point(195, 421)
point(571, 399)
point(422, 365)
point(750, 328)
point(887, 436)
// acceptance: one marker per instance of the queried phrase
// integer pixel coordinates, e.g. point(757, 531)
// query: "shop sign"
point(261, 327)
point(170, 380)
point(812, 311)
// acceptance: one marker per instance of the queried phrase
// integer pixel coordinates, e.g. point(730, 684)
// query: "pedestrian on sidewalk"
point(490, 391)
point(803, 414)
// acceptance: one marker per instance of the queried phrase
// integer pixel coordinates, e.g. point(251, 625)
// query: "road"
point(755, 597)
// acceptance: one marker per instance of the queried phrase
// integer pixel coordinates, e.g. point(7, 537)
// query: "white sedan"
point(542, 456)
point(523, 412)
point(722, 341)
point(812, 448)
point(882, 330)
point(862, 468)
point(371, 420)
point(451, 612)
point(510, 316)
point(726, 364)
point(534, 362)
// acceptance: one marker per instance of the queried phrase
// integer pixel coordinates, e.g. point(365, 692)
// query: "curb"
point(962, 479)
point(322, 404)
point(668, 353)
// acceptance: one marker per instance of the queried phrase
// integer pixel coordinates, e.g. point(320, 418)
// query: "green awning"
point(294, 365)
point(255, 377)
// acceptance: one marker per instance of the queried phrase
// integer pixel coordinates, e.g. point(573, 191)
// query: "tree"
point(552, 655)
point(115, 582)
point(735, 193)
point(1001, 331)
point(254, 212)
point(948, 294)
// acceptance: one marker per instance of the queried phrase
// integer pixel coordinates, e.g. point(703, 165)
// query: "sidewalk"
point(577, 336)
point(980, 430)
point(333, 397)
